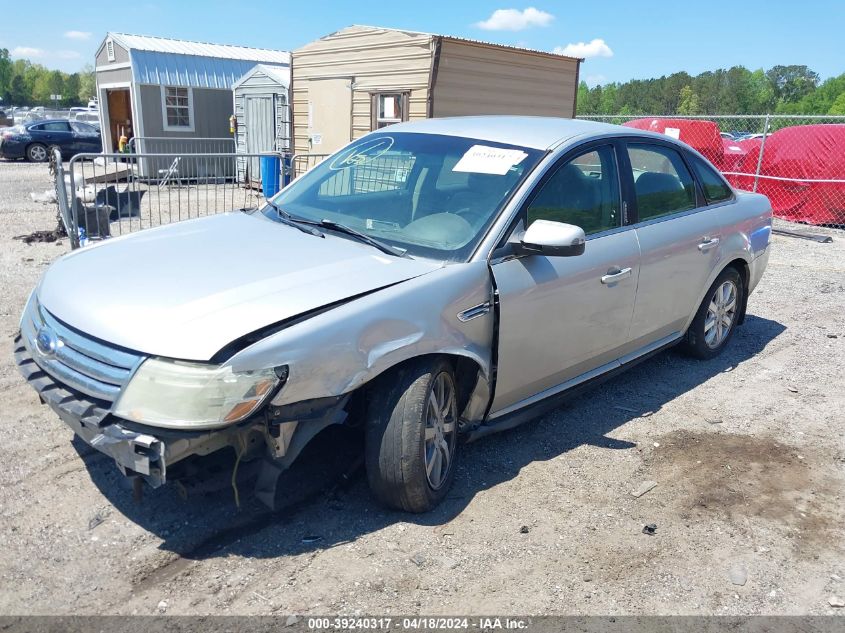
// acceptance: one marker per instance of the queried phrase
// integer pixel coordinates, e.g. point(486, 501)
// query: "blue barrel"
point(270, 171)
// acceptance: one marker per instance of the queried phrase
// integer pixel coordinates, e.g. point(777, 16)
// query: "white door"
point(260, 130)
point(561, 317)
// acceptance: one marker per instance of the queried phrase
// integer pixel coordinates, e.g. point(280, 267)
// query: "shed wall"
point(211, 111)
point(121, 55)
point(113, 76)
point(474, 78)
point(376, 60)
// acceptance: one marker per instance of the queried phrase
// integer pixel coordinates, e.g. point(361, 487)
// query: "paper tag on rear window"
point(481, 159)
point(674, 132)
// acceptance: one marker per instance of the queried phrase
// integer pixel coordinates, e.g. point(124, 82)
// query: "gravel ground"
point(747, 452)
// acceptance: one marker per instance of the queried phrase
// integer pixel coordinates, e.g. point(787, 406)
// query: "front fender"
point(339, 350)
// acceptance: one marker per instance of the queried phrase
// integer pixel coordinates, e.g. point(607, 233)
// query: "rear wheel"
point(37, 153)
point(715, 321)
point(412, 430)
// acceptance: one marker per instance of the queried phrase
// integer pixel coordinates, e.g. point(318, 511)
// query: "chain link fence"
point(797, 161)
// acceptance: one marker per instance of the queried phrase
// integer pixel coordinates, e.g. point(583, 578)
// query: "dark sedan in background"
point(33, 140)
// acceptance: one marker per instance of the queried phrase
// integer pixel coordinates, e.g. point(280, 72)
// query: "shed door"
point(329, 114)
point(260, 130)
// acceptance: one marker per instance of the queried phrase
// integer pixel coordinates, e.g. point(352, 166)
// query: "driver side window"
point(584, 191)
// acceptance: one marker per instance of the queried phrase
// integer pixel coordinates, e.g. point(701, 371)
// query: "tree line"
point(24, 83)
point(779, 90)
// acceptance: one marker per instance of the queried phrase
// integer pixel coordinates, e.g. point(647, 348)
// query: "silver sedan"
point(430, 280)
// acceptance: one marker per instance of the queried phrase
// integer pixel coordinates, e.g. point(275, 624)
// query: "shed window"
point(176, 104)
point(110, 50)
point(389, 108)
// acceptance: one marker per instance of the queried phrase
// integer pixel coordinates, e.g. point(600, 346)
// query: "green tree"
point(688, 101)
point(838, 106)
point(792, 83)
point(17, 91)
point(88, 84)
point(5, 74)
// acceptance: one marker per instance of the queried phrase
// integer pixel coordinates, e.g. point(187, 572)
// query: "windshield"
point(431, 195)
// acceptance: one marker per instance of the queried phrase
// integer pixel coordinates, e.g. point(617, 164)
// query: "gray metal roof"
point(165, 61)
point(280, 74)
point(525, 131)
point(199, 49)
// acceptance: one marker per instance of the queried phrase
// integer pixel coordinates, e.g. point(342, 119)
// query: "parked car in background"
point(32, 141)
point(6, 119)
point(432, 279)
point(86, 116)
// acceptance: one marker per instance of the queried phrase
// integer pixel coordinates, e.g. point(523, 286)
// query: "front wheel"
point(716, 319)
point(412, 430)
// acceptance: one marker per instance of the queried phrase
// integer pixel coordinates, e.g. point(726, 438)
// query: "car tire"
point(410, 450)
point(716, 319)
point(37, 153)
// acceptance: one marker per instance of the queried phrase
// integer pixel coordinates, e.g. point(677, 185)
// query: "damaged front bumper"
point(278, 435)
point(138, 451)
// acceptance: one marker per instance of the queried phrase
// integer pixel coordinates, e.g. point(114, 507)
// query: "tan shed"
point(362, 78)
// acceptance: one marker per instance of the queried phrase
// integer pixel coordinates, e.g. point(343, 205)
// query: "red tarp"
point(800, 153)
point(703, 136)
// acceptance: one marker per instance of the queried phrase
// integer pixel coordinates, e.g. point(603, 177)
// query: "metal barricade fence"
point(300, 163)
point(797, 161)
point(180, 145)
point(113, 194)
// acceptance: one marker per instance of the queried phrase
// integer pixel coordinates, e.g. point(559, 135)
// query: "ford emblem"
point(47, 342)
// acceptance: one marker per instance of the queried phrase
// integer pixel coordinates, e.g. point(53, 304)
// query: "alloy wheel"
point(721, 314)
point(440, 429)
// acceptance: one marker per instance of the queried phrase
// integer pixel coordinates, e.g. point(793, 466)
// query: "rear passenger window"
point(662, 182)
point(715, 188)
point(56, 126)
point(583, 192)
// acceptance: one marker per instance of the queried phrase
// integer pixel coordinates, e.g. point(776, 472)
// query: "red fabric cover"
point(703, 136)
point(814, 152)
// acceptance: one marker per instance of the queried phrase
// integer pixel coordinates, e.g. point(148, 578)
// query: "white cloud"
point(78, 35)
point(515, 20)
point(595, 80)
point(27, 51)
point(593, 48)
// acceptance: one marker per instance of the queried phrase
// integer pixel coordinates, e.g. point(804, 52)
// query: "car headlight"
point(183, 395)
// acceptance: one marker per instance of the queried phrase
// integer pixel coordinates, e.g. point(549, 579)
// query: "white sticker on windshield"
point(481, 159)
point(674, 132)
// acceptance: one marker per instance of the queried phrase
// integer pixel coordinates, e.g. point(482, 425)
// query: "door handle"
point(707, 243)
point(615, 274)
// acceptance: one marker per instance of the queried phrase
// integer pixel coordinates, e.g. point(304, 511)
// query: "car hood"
point(188, 289)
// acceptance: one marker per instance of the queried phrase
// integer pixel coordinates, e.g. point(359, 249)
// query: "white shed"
point(262, 113)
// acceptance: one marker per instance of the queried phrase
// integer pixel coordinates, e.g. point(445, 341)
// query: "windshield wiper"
point(286, 218)
point(362, 237)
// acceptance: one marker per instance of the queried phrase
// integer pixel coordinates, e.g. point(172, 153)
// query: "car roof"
point(40, 121)
point(525, 131)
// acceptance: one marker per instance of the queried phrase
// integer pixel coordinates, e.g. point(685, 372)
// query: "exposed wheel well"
point(741, 266)
point(466, 371)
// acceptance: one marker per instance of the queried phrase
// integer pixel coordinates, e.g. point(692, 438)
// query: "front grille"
point(77, 361)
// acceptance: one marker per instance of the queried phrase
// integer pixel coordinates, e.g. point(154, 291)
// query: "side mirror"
point(553, 239)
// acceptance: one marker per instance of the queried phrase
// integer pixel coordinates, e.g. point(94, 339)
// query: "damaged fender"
point(337, 351)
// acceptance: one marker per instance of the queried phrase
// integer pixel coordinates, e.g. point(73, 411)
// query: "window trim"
point(177, 128)
point(110, 49)
point(708, 165)
point(518, 218)
point(404, 103)
point(633, 207)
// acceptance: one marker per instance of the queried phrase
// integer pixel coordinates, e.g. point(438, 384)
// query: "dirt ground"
point(747, 452)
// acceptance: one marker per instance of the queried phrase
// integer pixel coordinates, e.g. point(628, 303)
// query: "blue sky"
point(623, 40)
